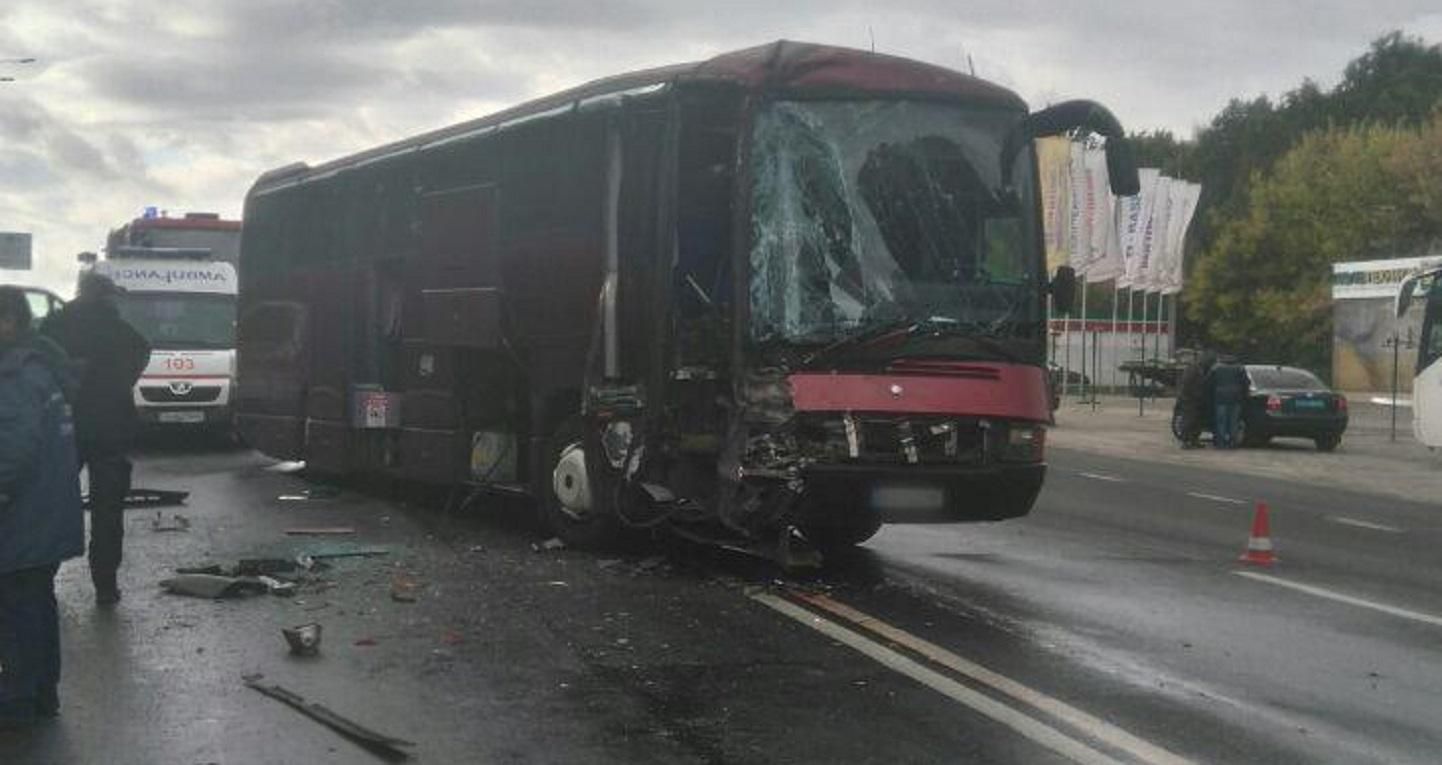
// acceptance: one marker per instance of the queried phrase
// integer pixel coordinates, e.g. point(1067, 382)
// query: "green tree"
point(1262, 287)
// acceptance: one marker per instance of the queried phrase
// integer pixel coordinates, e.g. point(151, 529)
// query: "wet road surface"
point(1111, 625)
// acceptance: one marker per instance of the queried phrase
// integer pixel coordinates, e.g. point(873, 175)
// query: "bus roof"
point(783, 67)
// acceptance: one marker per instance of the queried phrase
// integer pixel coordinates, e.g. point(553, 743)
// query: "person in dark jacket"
point(110, 355)
point(41, 520)
point(1193, 399)
point(1229, 389)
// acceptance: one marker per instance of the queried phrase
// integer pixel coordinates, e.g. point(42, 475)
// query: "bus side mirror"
point(1063, 289)
point(1122, 167)
point(1405, 291)
point(1080, 115)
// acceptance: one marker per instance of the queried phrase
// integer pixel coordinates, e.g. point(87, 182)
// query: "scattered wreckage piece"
point(313, 493)
point(213, 586)
point(321, 531)
point(176, 522)
point(388, 747)
point(148, 498)
point(303, 639)
point(217, 587)
point(345, 550)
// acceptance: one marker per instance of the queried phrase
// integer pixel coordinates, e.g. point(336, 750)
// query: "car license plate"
point(908, 497)
point(181, 417)
point(1310, 404)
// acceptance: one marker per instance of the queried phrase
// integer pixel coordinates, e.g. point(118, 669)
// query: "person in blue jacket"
point(41, 519)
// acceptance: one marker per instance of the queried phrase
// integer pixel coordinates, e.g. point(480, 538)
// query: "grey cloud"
point(68, 149)
point(230, 84)
point(384, 19)
point(22, 169)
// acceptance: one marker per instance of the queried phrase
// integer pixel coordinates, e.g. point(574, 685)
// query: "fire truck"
point(793, 291)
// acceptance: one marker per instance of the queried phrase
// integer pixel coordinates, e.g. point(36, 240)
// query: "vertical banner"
point(1053, 156)
point(1184, 206)
point(1079, 212)
point(1101, 220)
point(1154, 236)
point(1135, 213)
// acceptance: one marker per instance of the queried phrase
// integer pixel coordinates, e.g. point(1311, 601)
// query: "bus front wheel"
point(571, 507)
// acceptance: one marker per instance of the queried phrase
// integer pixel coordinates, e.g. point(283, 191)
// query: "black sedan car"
point(1285, 402)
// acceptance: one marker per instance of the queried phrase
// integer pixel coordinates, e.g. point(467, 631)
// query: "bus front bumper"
point(925, 493)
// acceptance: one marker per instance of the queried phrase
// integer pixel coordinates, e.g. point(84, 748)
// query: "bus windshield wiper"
point(864, 338)
point(981, 339)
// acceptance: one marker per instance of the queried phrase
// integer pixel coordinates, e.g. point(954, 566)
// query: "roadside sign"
point(14, 251)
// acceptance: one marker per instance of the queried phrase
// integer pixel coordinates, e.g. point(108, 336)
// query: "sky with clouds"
point(182, 105)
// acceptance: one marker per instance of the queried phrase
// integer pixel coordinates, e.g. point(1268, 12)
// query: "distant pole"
point(1066, 351)
point(1157, 339)
point(1085, 381)
point(1397, 343)
point(1116, 358)
point(1396, 358)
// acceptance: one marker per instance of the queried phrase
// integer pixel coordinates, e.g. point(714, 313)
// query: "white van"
point(184, 304)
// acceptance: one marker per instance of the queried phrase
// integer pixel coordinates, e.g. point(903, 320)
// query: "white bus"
point(1426, 285)
point(184, 304)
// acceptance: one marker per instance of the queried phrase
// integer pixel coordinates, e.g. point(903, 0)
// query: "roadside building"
point(1363, 321)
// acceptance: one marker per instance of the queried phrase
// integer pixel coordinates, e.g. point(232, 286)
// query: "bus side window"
point(1431, 347)
point(274, 330)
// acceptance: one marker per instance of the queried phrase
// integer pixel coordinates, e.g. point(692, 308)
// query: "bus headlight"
point(1025, 443)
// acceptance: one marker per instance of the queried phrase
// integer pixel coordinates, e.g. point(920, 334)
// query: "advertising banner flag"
point(1053, 156)
point(1132, 214)
point(1154, 237)
point(1184, 205)
point(1079, 214)
point(1105, 263)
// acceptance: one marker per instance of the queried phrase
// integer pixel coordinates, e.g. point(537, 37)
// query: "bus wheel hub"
point(570, 482)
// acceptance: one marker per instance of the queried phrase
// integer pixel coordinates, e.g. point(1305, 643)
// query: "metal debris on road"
point(212, 586)
point(343, 550)
point(320, 531)
point(388, 747)
point(264, 566)
point(313, 493)
point(277, 587)
point(550, 545)
point(148, 498)
point(304, 640)
point(209, 568)
point(176, 522)
point(404, 590)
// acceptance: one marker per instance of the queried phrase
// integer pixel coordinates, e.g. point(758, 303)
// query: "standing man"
point(111, 355)
point(41, 520)
point(1229, 390)
point(1192, 398)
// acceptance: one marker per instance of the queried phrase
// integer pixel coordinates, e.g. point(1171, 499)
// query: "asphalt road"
point(1112, 625)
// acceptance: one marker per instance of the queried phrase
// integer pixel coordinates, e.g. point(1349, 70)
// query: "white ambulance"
point(184, 304)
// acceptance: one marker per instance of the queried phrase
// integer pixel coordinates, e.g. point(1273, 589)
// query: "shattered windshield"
point(867, 213)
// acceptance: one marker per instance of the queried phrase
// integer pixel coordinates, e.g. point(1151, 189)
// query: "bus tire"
point(569, 506)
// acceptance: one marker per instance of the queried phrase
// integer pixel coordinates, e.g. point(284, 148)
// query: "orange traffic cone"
point(1259, 546)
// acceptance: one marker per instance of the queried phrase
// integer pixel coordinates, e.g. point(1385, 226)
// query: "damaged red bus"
point(792, 288)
